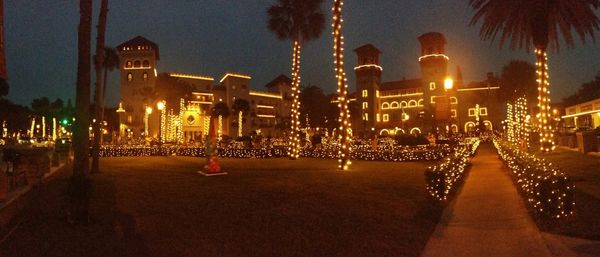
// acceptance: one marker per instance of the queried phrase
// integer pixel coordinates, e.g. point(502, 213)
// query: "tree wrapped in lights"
point(338, 54)
point(510, 132)
point(538, 23)
point(301, 21)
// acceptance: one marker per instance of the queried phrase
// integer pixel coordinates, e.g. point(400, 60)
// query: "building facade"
point(267, 113)
point(436, 101)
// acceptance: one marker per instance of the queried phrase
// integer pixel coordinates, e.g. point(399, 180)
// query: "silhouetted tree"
point(99, 93)
point(587, 92)
point(518, 79)
point(300, 21)
point(538, 23)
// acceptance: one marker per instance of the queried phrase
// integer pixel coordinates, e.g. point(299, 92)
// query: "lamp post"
point(448, 85)
point(160, 106)
point(147, 114)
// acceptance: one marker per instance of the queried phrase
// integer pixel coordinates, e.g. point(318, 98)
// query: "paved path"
point(488, 217)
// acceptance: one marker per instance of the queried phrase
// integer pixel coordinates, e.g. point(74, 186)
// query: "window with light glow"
point(366, 117)
point(385, 105)
point(386, 117)
point(403, 104)
point(433, 99)
point(453, 100)
point(137, 64)
point(145, 76)
point(420, 103)
point(128, 64)
point(431, 85)
point(146, 63)
point(365, 105)
point(395, 105)
point(412, 103)
point(365, 93)
point(483, 111)
point(453, 113)
point(472, 112)
point(129, 77)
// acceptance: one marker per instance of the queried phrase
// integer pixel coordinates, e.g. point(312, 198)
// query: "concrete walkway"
point(488, 217)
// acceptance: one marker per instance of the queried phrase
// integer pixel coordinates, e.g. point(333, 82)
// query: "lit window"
point(420, 103)
point(453, 113)
point(483, 111)
point(366, 117)
point(365, 93)
point(137, 64)
point(412, 103)
point(431, 85)
point(146, 63)
point(453, 100)
point(378, 118)
point(433, 99)
point(386, 117)
point(403, 104)
point(145, 76)
point(129, 118)
point(472, 112)
point(129, 77)
point(128, 64)
point(365, 105)
point(377, 93)
point(394, 105)
point(385, 106)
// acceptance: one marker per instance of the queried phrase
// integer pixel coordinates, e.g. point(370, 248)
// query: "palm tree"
point(538, 23)
point(220, 109)
point(300, 21)
point(79, 187)
point(99, 94)
point(241, 107)
point(340, 75)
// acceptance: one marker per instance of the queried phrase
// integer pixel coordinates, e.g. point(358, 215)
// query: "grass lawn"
point(159, 206)
point(584, 171)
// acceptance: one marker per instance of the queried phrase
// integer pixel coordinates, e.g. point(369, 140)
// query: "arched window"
point(129, 77)
point(385, 105)
point(453, 100)
point(137, 64)
point(394, 105)
point(420, 103)
point(412, 103)
point(146, 64)
point(145, 76)
point(128, 64)
point(403, 104)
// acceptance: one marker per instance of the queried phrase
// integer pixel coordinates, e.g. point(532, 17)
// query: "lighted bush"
point(547, 190)
point(443, 179)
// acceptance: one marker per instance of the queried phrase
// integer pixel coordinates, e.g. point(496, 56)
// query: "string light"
point(510, 123)
point(294, 139)
point(544, 126)
point(345, 133)
point(547, 190)
point(240, 119)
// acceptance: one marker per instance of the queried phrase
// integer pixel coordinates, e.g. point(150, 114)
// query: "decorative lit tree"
point(537, 22)
point(338, 55)
point(301, 21)
point(241, 108)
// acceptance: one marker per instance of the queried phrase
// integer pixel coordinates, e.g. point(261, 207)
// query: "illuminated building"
point(582, 116)
point(435, 100)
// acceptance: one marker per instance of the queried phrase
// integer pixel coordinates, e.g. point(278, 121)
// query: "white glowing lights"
point(544, 126)
point(264, 94)
point(345, 135)
point(434, 56)
point(234, 75)
point(294, 138)
point(368, 66)
point(187, 76)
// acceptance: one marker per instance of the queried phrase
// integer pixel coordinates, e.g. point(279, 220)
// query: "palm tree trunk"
point(100, 38)
point(338, 53)
point(294, 143)
point(79, 188)
point(544, 126)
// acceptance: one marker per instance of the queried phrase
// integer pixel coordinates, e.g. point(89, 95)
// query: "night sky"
point(211, 37)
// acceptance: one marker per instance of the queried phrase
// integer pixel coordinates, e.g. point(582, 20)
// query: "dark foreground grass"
point(584, 171)
point(159, 206)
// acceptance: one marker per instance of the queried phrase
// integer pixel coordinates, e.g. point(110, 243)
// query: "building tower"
point(368, 78)
point(439, 100)
point(138, 58)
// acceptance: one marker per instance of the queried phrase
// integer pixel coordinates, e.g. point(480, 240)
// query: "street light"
point(148, 112)
point(161, 105)
point(448, 83)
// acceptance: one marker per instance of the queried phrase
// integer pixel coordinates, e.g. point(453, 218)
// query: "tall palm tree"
point(300, 21)
point(538, 23)
point(338, 54)
point(98, 96)
point(79, 187)
point(241, 107)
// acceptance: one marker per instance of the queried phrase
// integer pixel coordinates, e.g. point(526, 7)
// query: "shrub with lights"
point(443, 179)
point(547, 190)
